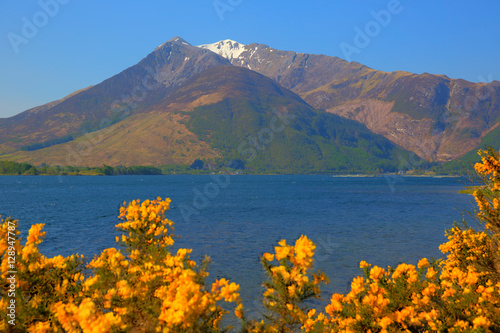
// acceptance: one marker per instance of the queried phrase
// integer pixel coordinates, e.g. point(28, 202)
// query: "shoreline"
point(250, 174)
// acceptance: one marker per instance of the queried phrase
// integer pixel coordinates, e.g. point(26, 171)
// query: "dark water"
point(383, 220)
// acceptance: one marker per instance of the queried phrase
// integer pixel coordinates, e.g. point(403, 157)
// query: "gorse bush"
point(459, 293)
point(144, 287)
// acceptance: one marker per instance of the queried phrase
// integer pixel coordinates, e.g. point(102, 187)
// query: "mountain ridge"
point(443, 118)
point(423, 113)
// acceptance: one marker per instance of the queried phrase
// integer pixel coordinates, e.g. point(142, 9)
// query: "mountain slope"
point(465, 162)
point(434, 116)
point(111, 101)
point(153, 138)
point(268, 127)
point(226, 114)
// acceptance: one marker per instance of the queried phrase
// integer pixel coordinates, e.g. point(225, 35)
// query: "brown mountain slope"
point(221, 82)
point(154, 138)
point(436, 117)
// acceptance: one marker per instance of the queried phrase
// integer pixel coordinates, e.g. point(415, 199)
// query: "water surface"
point(235, 219)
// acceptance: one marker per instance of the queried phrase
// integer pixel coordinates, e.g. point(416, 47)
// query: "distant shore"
point(10, 168)
point(244, 174)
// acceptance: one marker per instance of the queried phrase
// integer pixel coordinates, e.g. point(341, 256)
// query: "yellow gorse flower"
point(142, 279)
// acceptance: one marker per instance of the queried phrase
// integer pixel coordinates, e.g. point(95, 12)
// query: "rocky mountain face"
point(434, 116)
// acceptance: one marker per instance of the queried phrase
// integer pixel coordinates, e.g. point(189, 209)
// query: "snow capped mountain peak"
point(228, 49)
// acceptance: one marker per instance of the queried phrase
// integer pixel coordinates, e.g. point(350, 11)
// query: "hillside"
point(270, 128)
point(228, 114)
point(438, 118)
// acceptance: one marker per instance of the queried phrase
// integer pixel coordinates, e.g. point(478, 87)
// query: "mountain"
point(201, 107)
point(109, 102)
point(269, 128)
point(219, 102)
point(437, 117)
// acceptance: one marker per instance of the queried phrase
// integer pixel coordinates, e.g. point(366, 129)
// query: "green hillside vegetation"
point(411, 101)
point(312, 142)
point(9, 168)
point(13, 168)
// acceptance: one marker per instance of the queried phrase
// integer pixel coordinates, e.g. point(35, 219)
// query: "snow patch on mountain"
point(228, 49)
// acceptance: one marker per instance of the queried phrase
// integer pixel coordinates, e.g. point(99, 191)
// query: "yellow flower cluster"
point(143, 287)
point(83, 317)
point(300, 255)
point(489, 166)
point(405, 299)
point(146, 223)
point(289, 285)
point(487, 198)
point(465, 246)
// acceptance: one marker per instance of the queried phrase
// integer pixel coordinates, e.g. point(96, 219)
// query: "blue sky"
point(79, 43)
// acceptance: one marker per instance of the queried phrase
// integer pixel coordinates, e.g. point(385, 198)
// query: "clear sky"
point(50, 48)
